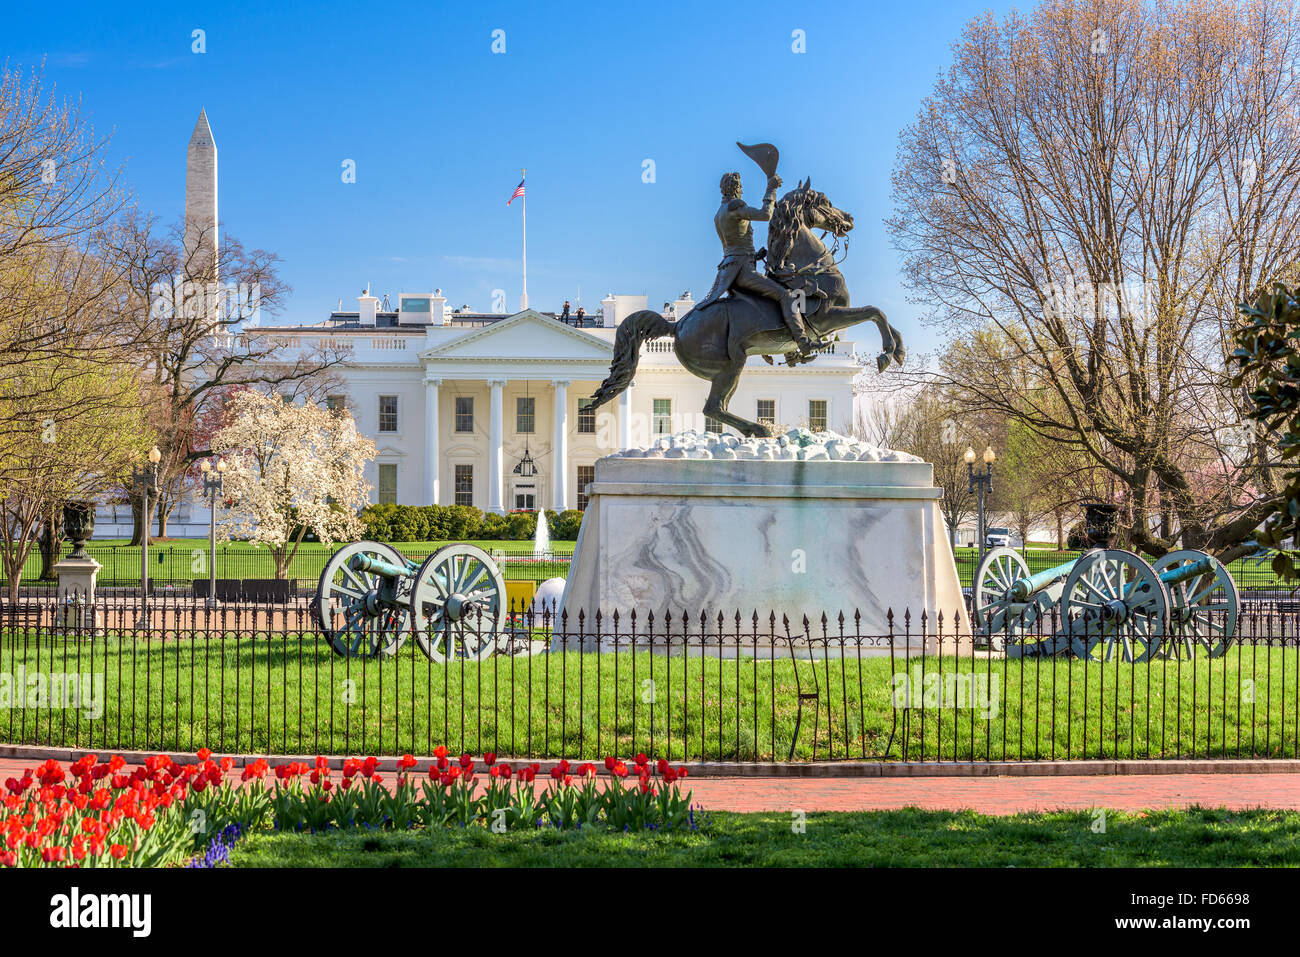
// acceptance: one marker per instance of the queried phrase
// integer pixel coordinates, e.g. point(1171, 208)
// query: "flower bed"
point(94, 814)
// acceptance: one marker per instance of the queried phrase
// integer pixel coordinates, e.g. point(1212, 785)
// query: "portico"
point(503, 427)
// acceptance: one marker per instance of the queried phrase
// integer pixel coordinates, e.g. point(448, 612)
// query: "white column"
point(431, 440)
point(560, 456)
point(625, 418)
point(496, 480)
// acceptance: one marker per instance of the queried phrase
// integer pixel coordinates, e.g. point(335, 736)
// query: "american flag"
point(519, 191)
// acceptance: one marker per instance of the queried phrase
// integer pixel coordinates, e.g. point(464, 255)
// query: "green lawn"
point(281, 694)
point(182, 560)
point(906, 838)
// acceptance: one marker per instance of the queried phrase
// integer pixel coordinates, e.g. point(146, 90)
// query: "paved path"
point(989, 795)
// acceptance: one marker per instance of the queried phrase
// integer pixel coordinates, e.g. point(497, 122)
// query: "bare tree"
point(201, 340)
point(1098, 184)
point(57, 285)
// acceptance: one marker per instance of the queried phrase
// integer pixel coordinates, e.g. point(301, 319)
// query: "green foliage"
point(455, 523)
point(1268, 367)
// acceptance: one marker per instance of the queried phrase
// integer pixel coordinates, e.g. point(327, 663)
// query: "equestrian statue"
point(790, 309)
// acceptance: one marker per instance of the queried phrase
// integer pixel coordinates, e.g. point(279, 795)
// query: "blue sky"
point(439, 127)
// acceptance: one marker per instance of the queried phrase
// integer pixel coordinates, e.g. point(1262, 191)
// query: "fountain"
point(542, 538)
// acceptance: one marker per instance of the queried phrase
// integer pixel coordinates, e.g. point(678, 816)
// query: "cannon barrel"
point(369, 563)
point(1186, 572)
point(1023, 588)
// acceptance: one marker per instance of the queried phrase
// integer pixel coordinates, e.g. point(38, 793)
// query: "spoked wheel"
point(1114, 603)
point(459, 599)
point(1203, 608)
point(1014, 626)
point(363, 614)
point(992, 606)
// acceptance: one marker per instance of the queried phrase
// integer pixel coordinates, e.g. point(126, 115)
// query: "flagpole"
point(523, 299)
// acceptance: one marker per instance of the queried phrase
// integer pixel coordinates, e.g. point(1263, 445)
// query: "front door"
point(525, 497)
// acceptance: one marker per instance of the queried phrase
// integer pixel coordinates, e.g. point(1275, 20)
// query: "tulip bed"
point(96, 814)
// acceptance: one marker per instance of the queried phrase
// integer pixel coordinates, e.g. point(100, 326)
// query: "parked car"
point(997, 537)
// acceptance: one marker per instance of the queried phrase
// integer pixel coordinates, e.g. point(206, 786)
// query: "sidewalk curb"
point(724, 769)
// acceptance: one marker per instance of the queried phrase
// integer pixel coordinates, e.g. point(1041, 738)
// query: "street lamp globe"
point(969, 456)
point(221, 465)
point(154, 455)
point(989, 455)
point(205, 467)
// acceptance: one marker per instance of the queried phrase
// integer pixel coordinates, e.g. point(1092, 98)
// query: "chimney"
point(367, 307)
point(438, 308)
point(609, 311)
point(683, 305)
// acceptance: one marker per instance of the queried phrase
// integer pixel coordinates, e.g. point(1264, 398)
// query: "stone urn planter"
point(79, 525)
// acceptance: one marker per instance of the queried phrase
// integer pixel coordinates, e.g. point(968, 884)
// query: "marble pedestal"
point(76, 592)
point(804, 537)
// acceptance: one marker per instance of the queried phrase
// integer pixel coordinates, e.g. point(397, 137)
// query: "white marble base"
point(802, 537)
point(76, 592)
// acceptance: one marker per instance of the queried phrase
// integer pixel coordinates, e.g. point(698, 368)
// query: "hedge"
point(452, 523)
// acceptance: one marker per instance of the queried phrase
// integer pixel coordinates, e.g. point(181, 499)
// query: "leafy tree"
point(1267, 361)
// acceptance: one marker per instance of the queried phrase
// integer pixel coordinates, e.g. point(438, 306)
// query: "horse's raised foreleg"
point(723, 388)
point(891, 340)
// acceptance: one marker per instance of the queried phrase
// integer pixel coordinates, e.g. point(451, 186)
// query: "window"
point(464, 485)
point(335, 403)
point(663, 416)
point(464, 414)
point(387, 483)
point(586, 417)
point(713, 425)
point(388, 413)
point(766, 412)
point(586, 475)
point(817, 415)
point(525, 407)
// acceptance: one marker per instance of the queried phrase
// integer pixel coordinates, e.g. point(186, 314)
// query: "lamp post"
point(145, 479)
point(213, 479)
point(981, 482)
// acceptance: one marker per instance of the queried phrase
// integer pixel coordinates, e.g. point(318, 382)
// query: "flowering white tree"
point(291, 469)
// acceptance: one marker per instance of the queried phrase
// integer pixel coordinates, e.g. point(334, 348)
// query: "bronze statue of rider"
point(738, 268)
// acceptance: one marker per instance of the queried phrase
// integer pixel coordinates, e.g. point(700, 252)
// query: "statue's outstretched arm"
point(769, 201)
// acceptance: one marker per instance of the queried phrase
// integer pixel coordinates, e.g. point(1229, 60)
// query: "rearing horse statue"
point(714, 341)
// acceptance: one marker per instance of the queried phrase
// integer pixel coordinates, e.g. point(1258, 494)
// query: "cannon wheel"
point(360, 613)
point(1114, 599)
point(459, 599)
point(991, 607)
point(1203, 609)
point(1008, 624)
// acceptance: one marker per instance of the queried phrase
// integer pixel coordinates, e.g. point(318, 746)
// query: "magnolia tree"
point(291, 469)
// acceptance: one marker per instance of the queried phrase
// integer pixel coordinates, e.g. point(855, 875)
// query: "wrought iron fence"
point(259, 678)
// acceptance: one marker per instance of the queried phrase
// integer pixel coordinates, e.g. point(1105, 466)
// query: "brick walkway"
point(989, 795)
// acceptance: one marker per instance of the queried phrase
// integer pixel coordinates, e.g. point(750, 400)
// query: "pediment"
point(525, 335)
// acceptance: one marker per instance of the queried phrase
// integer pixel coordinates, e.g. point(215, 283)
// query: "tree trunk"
point(51, 542)
point(1060, 530)
point(163, 512)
